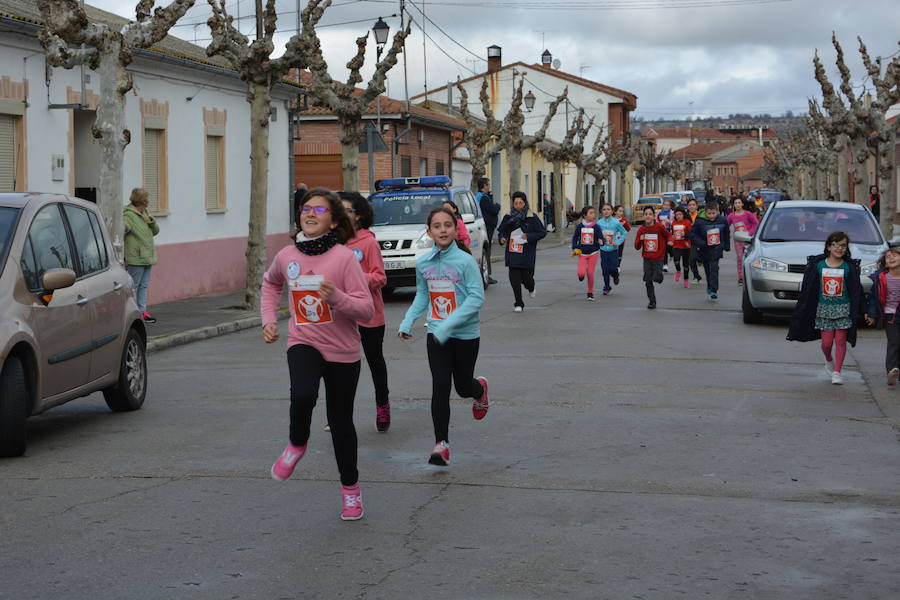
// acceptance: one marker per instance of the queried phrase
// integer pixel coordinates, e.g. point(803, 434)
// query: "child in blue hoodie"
point(449, 288)
point(586, 243)
point(613, 235)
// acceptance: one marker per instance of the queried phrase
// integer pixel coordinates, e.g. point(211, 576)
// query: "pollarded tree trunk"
point(260, 103)
point(843, 174)
point(858, 170)
point(579, 188)
point(514, 156)
point(109, 130)
point(560, 204)
point(620, 187)
point(887, 157)
point(350, 139)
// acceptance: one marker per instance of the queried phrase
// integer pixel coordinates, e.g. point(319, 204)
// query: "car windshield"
point(650, 201)
point(406, 208)
point(814, 224)
point(7, 224)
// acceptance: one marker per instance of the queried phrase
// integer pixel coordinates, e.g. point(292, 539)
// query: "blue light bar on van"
point(399, 183)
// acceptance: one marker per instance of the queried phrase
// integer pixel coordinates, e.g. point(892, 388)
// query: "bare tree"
point(512, 137)
point(253, 62)
point(837, 143)
point(71, 39)
point(348, 103)
point(566, 152)
point(478, 135)
point(622, 154)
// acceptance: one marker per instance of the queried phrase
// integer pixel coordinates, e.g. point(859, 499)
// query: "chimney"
point(546, 59)
point(494, 58)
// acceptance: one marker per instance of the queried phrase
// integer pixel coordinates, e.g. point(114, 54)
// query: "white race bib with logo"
point(309, 307)
point(832, 282)
point(713, 237)
point(651, 242)
point(442, 296)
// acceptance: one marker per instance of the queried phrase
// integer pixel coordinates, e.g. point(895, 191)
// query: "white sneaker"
point(836, 378)
point(892, 376)
point(665, 268)
point(829, 367)
point(532, 293)
point(517, 309)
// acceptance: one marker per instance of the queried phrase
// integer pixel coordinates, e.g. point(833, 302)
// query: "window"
point(7, 153)
point(423, 167)
point(215, 182)
point(48, 245)
point(405, 166)
point(155, 172)
point(86, 247)
point(439, 167)
point(101, 241)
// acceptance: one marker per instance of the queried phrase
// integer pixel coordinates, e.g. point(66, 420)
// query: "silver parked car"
point(790, 232)
point(69, 325)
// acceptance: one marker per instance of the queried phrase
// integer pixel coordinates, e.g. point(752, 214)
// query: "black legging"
point(307, 367)
point(682, 258)
point(455, 359)
point(373, 347)
point(695, 263)
point(519, 277)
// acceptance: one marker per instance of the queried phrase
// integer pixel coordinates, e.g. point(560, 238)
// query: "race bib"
point(516, 246)
point(678, 232)
point(740, 226)
point(443, 298)
point(713, 237)
point(833, 282)
point(587, 237)
point(609, 237)
point(309, 307)
point(651, 242)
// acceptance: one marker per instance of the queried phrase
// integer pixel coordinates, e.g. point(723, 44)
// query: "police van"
point(401, 206)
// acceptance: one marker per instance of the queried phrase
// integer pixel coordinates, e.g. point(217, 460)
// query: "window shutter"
point(151, 167)
point(7, 153)
point(212, 172)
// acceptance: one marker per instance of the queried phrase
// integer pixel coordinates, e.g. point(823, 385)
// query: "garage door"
point(320, 171)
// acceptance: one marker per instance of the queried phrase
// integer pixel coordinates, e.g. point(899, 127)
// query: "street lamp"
point(380, 29)
point(529, 101)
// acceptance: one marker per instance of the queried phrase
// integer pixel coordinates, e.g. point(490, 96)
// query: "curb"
point(203, 333)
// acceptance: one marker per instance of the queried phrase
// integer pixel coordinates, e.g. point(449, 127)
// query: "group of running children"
point(334, 273)
point(688, 235)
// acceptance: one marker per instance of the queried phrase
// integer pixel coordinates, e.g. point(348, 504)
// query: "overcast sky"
point(714, 57)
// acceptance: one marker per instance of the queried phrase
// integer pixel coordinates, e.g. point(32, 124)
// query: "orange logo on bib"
point(713, 237)
point(833, 282)
point(442, 296)
point(515, 247)
point(609, 237)
point(740, 226)
point(587, 237)
point(678, 232)
point(309, 307)
point(651, 242)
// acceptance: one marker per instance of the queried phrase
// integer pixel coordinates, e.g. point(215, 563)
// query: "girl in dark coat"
point(830, 303)
point(519, 234)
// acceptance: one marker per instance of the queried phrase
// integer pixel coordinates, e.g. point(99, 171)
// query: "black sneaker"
point(590, 297)
point(652, 304)
point(581, 278)
point(147, 318)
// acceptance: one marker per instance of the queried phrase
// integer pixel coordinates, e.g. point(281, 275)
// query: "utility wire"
point(436, 45)
point(595, 5)
point(438, 27)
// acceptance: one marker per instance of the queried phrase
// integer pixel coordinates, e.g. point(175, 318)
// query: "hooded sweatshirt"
point(710, 238)
point(365, 247)
point(613, 234)
point(139, 248)
point(588, 238)
point(334, 333)
point(450, 292)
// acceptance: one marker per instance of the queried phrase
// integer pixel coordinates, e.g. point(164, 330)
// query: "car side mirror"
point(57, 279)
point(743, 237)
point(468, 218)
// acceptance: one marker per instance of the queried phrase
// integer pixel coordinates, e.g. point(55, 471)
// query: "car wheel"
point(13, 408)
point(751, 315)
point(130, 390)
point(485, 267)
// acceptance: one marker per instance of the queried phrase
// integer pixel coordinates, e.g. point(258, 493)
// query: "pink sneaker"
point(285, 464)
point(383, 417)
point(687, 283)
point(353, 508)
point(480, 407)
point(677, 275)
point(440, 456)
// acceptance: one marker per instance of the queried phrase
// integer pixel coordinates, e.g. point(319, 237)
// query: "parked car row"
point(69, 325)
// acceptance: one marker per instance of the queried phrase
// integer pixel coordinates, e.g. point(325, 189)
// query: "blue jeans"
point(140, 275)
point(609, 263)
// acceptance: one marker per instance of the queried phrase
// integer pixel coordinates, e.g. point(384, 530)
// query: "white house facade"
point(190, 144)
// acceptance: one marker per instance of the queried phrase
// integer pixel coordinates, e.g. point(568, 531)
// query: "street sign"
point(377, 142)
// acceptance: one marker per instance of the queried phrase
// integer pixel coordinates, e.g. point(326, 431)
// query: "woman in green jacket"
point(140, 252)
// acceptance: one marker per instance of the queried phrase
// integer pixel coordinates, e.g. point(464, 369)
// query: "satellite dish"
point(557, 64)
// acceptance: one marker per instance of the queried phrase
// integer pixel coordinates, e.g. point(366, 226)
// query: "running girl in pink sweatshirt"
point(741, 220)
point(368, 253)
point(328, 297)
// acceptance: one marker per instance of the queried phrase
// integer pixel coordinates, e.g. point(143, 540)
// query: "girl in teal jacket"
point(449, 290)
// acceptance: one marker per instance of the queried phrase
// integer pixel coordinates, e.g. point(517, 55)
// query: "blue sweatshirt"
point(592, 233)
point(453, 301)
point(614, 227)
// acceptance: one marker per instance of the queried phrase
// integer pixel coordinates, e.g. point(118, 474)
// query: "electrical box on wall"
point(58, 167)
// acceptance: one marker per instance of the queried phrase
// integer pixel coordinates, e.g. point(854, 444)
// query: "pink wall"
point(195, 268)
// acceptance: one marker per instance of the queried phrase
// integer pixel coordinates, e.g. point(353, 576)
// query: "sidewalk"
point(203, 317)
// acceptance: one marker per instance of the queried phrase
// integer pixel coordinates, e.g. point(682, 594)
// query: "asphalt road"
point(629, 453)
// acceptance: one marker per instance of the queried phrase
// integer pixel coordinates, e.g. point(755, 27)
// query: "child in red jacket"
point(681, 245)
point(652, 240)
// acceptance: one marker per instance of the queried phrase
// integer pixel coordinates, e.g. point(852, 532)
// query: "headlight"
point(868, 268)
point(767, 264)
point(424, 242)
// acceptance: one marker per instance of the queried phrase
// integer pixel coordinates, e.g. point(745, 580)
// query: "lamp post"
point(380, 29)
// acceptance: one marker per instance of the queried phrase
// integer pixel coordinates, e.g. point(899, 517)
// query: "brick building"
point(676, 138)
point(420, 142)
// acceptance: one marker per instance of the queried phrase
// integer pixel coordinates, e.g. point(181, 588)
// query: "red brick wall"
point(321, 138)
